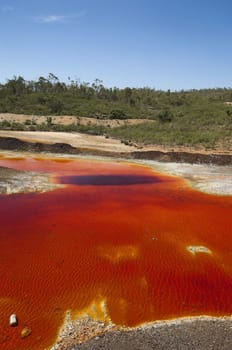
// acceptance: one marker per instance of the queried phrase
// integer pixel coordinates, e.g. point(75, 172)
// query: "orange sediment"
point(146, 244)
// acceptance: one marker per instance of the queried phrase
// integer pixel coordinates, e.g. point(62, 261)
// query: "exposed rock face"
point(15, 181)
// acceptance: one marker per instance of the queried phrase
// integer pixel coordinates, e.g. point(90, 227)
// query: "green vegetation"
point(176, 118)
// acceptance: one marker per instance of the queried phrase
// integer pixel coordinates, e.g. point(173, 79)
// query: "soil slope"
point(77, 143)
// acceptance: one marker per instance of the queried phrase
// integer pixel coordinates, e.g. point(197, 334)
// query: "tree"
point(56, 106)
point(165, 116)
point(128, 94)
point(16, 86)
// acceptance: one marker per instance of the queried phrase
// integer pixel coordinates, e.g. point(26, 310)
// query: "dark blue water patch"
point(108, 180)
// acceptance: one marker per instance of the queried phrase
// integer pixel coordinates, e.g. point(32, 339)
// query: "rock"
point(13, 321)
point(25, 332)
point(194, 249)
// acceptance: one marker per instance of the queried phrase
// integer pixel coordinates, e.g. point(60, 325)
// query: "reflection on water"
point(109, 180)
point(135, 239)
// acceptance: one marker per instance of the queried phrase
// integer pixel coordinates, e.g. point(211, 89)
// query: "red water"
point(117, 232)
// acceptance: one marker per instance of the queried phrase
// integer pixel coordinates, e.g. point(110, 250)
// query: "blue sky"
point(164, 44)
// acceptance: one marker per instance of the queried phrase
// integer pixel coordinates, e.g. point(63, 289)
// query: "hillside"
point(198, 118)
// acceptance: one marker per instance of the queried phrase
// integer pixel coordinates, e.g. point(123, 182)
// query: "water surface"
point(119, 233)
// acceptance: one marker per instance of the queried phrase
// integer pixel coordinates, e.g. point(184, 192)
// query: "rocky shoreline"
point(198, 333)
point(186, 333)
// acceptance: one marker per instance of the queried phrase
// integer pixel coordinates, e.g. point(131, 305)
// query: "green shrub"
point(165, 116)
point(117, 114)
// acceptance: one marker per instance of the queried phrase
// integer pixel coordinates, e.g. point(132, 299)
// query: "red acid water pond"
point(116, 232)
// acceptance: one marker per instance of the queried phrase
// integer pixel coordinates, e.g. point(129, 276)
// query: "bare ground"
point(81, 140)
point(79, 143)
point(77, 140)
point(68, 120)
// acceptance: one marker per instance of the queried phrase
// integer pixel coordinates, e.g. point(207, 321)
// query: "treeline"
point(50, 96)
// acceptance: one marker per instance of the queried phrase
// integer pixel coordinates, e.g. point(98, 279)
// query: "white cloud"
point(56, 18)
point(49, 19)
point(7, 8)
